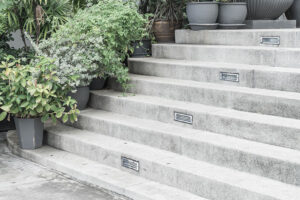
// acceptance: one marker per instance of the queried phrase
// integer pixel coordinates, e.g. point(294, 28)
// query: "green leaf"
point(65, 118)
point(6, 108)
point(3, 116)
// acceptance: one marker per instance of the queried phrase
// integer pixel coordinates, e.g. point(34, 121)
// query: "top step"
point(243, 37)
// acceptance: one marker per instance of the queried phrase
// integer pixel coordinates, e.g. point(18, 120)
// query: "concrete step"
point(99, 175)
point(268, 129)
point(269, 102)
point(275, 57)
point(270, 161)
point(248, 37)
point(253, 76)
point(203, 179)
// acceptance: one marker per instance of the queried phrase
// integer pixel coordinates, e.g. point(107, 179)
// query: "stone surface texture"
point(242, 144)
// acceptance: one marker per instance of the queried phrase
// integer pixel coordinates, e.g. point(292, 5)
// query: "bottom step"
point(100, 175)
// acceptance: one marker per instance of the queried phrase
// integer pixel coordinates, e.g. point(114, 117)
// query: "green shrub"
point(34, 91)
point(96, 41)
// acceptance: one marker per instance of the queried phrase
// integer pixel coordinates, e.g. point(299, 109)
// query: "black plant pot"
point(6, 125)
point(82, 96)
point(98, 83)
point(30, 132)
point(142, 48)
point(294, 12)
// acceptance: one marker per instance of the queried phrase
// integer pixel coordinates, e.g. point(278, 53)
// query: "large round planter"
point(30, 132)
point(202, 12)
point(141, 48)
point(82, 96)
point(98, 83)
point(232, 13)
point(294, 12)
point(267, 9)
point(164, 31)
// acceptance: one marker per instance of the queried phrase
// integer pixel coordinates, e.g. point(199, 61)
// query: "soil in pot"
point(98, 83)
point(164, 31)
point(202, 14)
point(30, 132)
point(233, 13)
point(141, 48)
point(82, 96)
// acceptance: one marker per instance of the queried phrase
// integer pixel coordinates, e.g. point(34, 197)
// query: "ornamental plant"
point(95, 42)
point(34, 91)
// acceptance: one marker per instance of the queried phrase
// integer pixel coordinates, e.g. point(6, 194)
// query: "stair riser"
point(214, 122)
point(269, 105)
point(200, 150)
point(159, 171)
point(272, 80)
point(275, 58)
point(238, 38)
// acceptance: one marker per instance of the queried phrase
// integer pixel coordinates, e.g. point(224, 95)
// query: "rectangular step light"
point(130, 164)
point(228, 76)
point(274, 40)
point(184, 118)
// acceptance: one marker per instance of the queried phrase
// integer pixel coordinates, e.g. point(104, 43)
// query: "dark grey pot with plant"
point(202, 14)
point(293, 12)
point(98, 83)
point(27, 97)
point(82, 96)
point(232, 14)
point(141, 48)
point(30, 132)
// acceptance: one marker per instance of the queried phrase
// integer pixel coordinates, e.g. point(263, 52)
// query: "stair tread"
point(101, 175)
point(191, 107)
point(266, 48)
point(231, 177)
point(225, 141)
point(195, 63)
point(216, 86)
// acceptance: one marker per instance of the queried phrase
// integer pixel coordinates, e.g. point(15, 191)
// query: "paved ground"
point(22, 180)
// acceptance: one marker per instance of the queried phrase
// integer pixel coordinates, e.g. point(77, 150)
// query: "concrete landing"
point(21, 179)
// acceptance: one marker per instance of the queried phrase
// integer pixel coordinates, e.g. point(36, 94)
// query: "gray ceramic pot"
point(30, 132)
point(267, 9)
point(98, 83)
point(82, 97)
point(232, 13)
point(141, 48)
point(294, 12)
point(202, 12)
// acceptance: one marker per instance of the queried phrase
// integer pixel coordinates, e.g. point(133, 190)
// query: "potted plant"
point(232, 13)
point(267, 9)
point(32, 94)
point(293, 12)
point(202, 14)
point(167, 17)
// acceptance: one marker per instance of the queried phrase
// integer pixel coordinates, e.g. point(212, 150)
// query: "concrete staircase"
point(214, 117)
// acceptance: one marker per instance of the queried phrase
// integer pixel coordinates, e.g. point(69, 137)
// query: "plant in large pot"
point(94, 43)
point(32, 94)
point(267, 9)
point(293, 12)
point(202, 14)
point(167, 17)
point(232, 13)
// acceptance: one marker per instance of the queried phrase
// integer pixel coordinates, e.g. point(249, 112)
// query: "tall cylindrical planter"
point(267, 9)
point(294, 12)
point(30, 132)
point(202, 15)
point(82, 96)
point(232, 15)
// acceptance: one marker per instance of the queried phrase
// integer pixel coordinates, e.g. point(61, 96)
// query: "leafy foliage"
point(95, 42)
point(34, 91)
